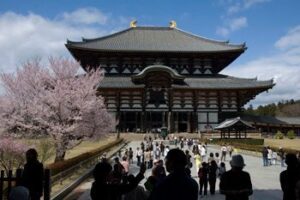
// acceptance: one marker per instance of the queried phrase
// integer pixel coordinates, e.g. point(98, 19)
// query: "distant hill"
point(289, 108)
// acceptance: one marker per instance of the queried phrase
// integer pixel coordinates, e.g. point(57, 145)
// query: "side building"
point(165, 77)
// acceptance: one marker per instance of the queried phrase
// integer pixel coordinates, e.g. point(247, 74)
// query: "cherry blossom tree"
point(12, 154)
point(54, 100)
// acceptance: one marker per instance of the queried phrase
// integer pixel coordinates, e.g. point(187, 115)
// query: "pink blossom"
point(12, 153)
point(55, 101)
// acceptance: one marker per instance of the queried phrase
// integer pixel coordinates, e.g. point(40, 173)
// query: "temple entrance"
point(154, 121)
point(129, 121)
point(182, 121)
point(182, 127)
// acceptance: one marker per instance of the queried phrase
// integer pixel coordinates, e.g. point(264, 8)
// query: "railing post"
point(18, 176)
point(9, 181)
point(1, 184)
point(47, 184)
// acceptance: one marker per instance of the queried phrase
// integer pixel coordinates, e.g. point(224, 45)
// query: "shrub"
point(291, 134)
point(234, 141)
point(279, 135)
point(66, 164)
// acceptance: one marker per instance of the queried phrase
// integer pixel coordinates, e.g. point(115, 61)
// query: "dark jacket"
point(176, 186)
point(236, 185)
point(32, 179)
point(106, 191)
point(288, 180)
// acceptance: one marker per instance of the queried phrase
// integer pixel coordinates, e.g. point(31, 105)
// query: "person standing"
point(230, 150)
point(203, 178)
point(270, 153)
point(139, 153)
point(162, 149)
point(217, 159)
point(32, 177)
point(104, 189)
point(265, 156)
point(212, 176)
point(210, 158)
point(203, 153)
point(223, 153)
point(197, 159)
point(125, 165)
point(130, 154)
point(281, 154)
point(177, 185)
point(289, 177)
point(147, 156)
point(236, 184)
point(222, 169)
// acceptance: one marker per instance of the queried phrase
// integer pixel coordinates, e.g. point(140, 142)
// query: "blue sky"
point(270, 28)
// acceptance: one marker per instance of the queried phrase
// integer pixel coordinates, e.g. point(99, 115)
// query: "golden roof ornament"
point(173, 24)
point(133, 24)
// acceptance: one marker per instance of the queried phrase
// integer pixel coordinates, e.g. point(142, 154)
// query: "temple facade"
point(165, 77)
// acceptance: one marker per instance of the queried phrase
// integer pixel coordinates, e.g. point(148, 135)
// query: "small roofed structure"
point(236, 124)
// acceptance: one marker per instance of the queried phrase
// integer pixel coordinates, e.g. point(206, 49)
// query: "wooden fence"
point(9, 180)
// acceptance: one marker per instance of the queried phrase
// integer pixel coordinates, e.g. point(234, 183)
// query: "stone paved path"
point(265, 180)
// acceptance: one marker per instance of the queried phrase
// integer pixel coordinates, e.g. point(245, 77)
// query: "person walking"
point(177, 185)
point(236, 184)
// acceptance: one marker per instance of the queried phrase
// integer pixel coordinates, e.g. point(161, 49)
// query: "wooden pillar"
point(189, 122)
point(238, 102)
point(176, 122)
point(170, 126)
point(142, 118)
point(150, 122)
point(164, 119)
point(136, 120)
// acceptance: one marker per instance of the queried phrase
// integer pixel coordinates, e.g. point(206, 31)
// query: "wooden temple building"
point(166, 77)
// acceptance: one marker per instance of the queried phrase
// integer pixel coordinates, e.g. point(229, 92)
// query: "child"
point(222, 169)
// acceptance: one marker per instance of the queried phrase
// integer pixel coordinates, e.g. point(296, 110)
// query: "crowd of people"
point(171, 173)
point(171, 179)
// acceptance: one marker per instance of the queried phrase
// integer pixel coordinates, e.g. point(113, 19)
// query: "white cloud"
point(240, 5)
point(86, 16)
point(238, 23)
point(232, 25)
point(223, 31)
point(230, 22)
point(23, 37)
point(284, 67)
point(290, 40)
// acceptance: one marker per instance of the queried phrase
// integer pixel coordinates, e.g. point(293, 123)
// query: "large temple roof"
point(155, 39)
point(214, 82)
